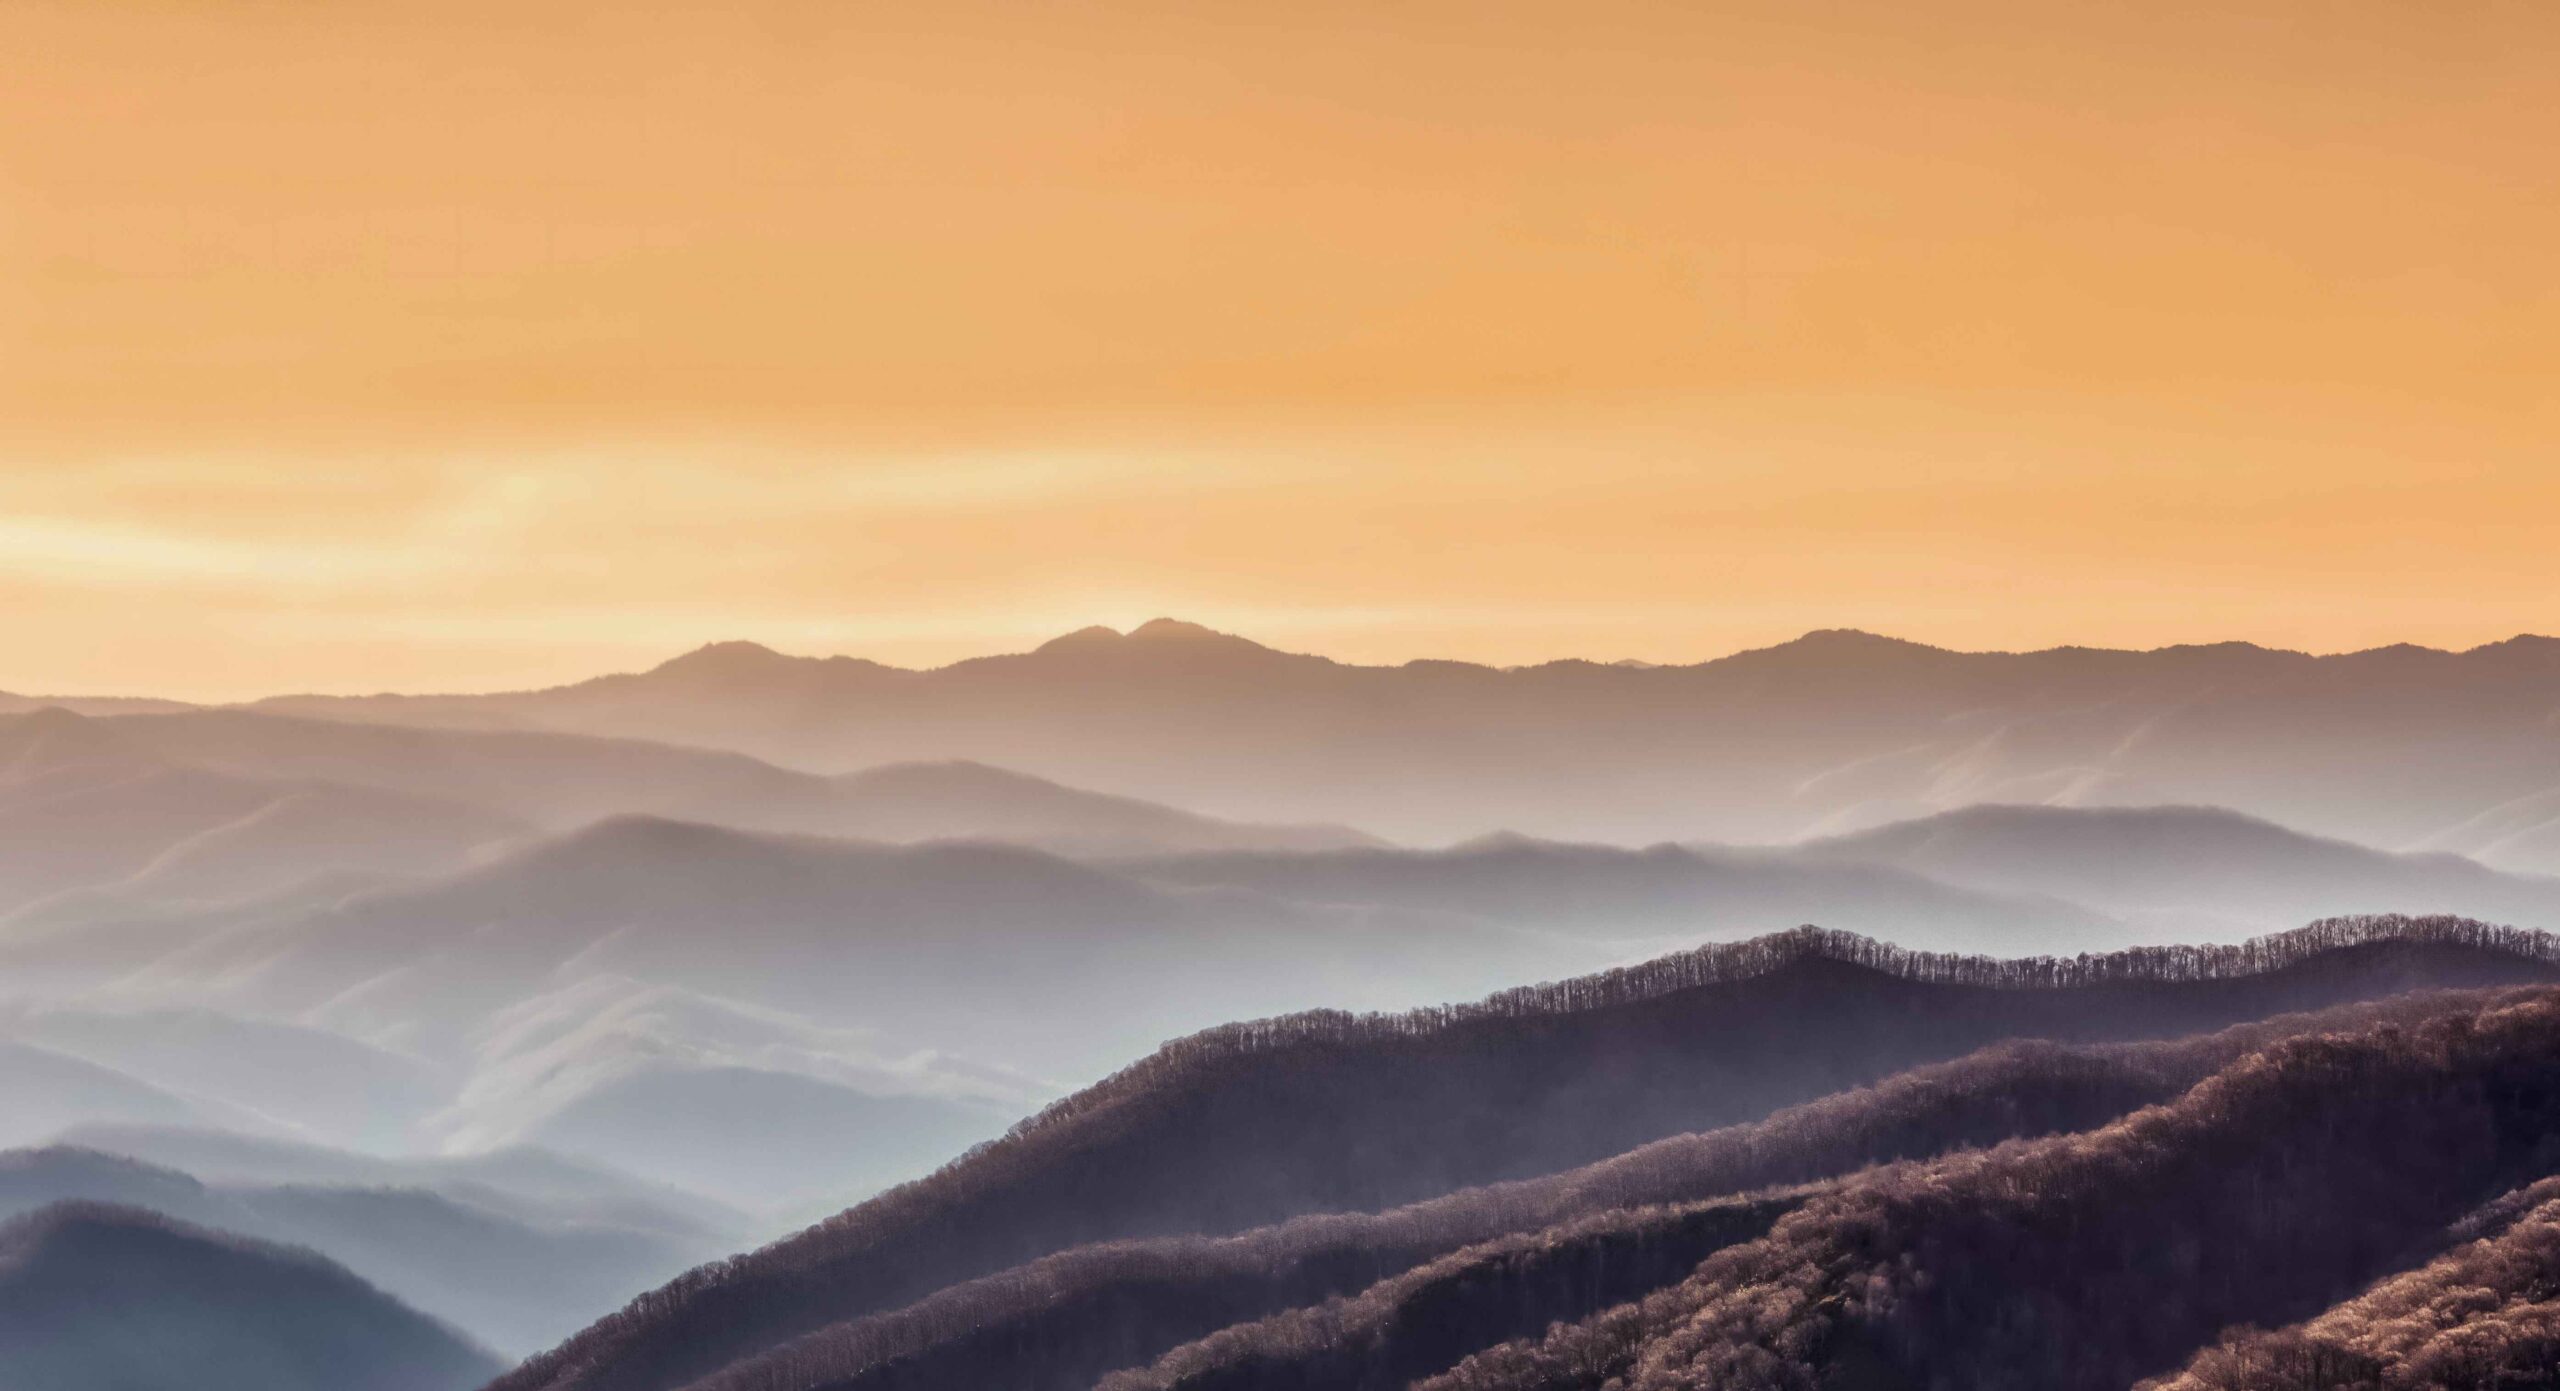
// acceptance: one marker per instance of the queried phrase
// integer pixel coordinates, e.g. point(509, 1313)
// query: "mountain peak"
point(1175, 630)
point(2521, 645)
point(52, 738)
point(1845, 638)
point(734, 655)
point(53, 719)
point(639, 831)
point(1091, 635)
point(1154, 635)
point(1828, 645)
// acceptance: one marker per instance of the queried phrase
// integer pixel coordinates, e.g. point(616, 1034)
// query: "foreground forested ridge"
point(1480, 1266)
point(2485, 1314)
point(1250, 1125)
point(2268, 1191)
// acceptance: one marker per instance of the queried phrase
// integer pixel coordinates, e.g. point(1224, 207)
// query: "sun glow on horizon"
point(349, 348)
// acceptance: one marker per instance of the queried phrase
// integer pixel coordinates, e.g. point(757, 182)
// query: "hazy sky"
point(461, 345)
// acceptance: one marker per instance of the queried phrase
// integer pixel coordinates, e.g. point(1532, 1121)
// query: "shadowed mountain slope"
point(96, 1297)
point(2485, 1316)
point(517, 1283)
point(1256, 1123)
point(1477, 1267)
point(2277, 1187)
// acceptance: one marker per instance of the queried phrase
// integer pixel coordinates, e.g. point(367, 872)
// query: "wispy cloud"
point(82, 551)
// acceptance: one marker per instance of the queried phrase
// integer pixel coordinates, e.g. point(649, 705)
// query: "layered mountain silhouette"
point(516, 1280)
point(2399, 747)
point(539, 1187)
point(218, 804)
point(1656, 895)
point(2290, 1179)
point(514, 1005)
point(2183, 873)
point(12, 703)
point(1257, 1124)
point(264, 1075)
point(982, 948)
point(637, 990)
point(663, 1081)
point(43, 1091)
point(85, 805)
point(2479, 1315)
point(642, 991)
point(1986, 878)
point(95, 1296)
point(1302, 1304)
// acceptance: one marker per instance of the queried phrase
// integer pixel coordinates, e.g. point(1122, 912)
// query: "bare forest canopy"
point(1241, 1132)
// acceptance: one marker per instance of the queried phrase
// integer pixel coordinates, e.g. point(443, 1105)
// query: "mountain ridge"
point(93, 1295)
point(1328, 1111)
point(1830, 732)
point(1168, 629)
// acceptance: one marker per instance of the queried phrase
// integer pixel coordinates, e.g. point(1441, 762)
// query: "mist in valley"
point(515, 1008)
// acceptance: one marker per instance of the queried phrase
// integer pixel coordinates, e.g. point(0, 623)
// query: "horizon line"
point(1166, 628)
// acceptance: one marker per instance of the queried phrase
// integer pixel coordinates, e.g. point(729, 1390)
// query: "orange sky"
point(468, 345)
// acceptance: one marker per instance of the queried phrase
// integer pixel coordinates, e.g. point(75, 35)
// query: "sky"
point(467, 346)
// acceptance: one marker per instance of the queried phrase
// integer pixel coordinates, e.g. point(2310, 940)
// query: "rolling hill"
point(2183, 873)
point(42, 1091)
point(97, 1296)
point(536, 1186)
point(1659, 897)
point(516, 1282)
point(84, 806)
point(991, 952)
point(288, 1078)
point(192, 798)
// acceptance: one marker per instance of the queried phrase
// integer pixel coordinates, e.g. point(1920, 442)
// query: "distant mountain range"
point(539, 1187)
point(88, 803)
point(638, 989)
point(2185, 873)
point(513, 1004)
point(2398, 747)
point(991, 950)
point(220, 1068)
point(1990, 878)
point(222, 804)
point(43, 1091)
